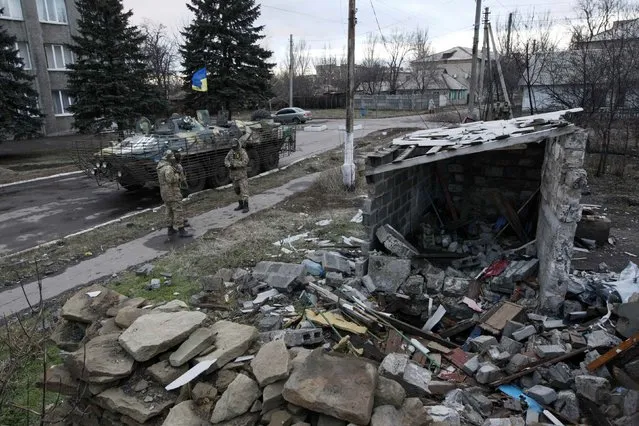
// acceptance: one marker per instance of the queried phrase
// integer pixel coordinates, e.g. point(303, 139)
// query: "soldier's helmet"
point(168, 155)
point(235, 143)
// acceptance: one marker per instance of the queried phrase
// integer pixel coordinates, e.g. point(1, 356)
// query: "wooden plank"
point(458, 328)
point(511, 215)
point(535, 137)
point(408, 151)
point(614, 352)
point(434, 150)
point(441, 176)
point(494, 322)
point(414, 331)
point(335, 320)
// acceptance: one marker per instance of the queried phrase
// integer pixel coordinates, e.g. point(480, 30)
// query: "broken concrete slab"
point(68, 335)
point(509, 345)
point(596, 389)
point(231, 341)
point(435, 280)
point(389, 392)
point(388, 273)
point(127, 316)
point(511, 327)
point(115, 399)
point(628, 322)
point(204, 391)
point(292, 338)
point(488, 373)
point(184, 414)
point(524, 333)
point(278, 275)
point(385, 415)
point(549, 351)
point(172, 306)
point(101, 360)
point(155, 333)
point(334, 262)
point(518, 362)
point(414, 285)
point(393, 366)
point(197, 342)
point(236, 400)
point(601, 339)
point(471, 366)
point(567, 405)
point(559, 376)
point(414, 413)
point(340, 387)
point(416, 379)
point(395, 242)
point(440, 415)
point(164, 373)
point(271, 363)
point(456, 287)
point(542, 394)
point(272, 396)
point(81, 307)
point(482, 343)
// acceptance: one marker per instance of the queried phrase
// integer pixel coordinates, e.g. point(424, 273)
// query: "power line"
point(303, 14)
point(379, 28)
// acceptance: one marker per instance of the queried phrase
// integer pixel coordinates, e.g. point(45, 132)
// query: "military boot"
point(246, 207)
point(240, 206)
point(171, 231)
point(183, 234)
point(186, 223)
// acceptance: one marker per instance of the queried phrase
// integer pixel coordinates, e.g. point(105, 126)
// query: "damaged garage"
point(472, 195)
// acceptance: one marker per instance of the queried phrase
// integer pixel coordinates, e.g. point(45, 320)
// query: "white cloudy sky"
point(324, 22)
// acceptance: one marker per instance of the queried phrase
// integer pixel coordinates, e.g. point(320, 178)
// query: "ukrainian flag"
point(198, 82)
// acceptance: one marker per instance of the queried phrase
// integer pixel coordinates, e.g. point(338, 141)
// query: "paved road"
point(38, 212)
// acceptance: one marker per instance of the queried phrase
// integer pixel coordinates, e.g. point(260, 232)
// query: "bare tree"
point(331, 71)
point(303, 82)
point(528, 50)
point(161, 50)
point(398, 46)
point(372, 72)
point(423, 70)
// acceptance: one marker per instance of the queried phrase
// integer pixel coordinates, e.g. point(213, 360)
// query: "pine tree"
point(19, 114)
point(223, 37)
point(111, 79)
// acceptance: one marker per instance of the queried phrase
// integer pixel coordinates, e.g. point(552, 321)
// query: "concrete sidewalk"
point(142, 250)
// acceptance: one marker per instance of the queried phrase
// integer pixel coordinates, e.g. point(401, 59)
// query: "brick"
point(488, 373)
point(509, 345)
point(482, 343)
point(524, 333)
point(568, 406)
point(542, 394)
point(518, 362)
point(511, 326)
point(596, 389)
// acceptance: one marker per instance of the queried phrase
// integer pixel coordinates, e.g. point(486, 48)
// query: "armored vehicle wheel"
point(132, 187)
point(220, 176)
point(271, 160)
point(254, 163)
point(195, 177)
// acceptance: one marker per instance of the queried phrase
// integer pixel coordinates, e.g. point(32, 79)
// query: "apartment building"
point(43, 29)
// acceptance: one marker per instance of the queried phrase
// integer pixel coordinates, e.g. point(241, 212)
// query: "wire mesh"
point(132, 162)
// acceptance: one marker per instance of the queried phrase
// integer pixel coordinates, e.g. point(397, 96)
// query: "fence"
point(395, 102)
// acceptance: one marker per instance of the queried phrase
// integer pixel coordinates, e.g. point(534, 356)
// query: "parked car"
point(292, 115)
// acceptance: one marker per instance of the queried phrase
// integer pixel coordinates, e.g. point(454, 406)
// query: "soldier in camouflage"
point(170, 177)
point(237, 161)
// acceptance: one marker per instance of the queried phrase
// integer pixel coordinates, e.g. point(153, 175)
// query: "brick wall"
point(563, 179)
point(515, 173)
point(398, 198)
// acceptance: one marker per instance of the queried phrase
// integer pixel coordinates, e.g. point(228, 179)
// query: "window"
point(12, 9)
point(52, 11)
point(58, 56)
point(61, 102)
point(23, 53)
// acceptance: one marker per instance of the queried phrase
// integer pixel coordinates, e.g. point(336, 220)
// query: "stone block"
point(272, 396)
point(435, 281)
point(385, 415)
point(511, 327)
point(549, 351)
point(198, 341)
point(271, 363)
point(596, 389)
point(456, 287)
point(278, 275)
point(440, 415)
point(471, 366)
point(236, 400)
point(389, 392)
point(101, 360)
point(341, 387)
point(414, 285)
point(542, 394)
point(567, 405)
point(334, 262)
point(116, 400)
point(416, 379)
point(395, 242)
point(334, 279)
point(292, 338)
point(482, 343)
point(488, 373)
point(524, 333)
point(601, 339)
point(518, 362)
point(86, 309)
point(559, 376)
point(164, 373)
point(509, 345)
point(388, 273)
point(68, 335)
point(231, 341)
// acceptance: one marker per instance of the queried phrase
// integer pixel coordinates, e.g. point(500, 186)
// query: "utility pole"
point(501, 73)
point(348, 169)
point(291, 69)
point(510, 25)
point(482, 72)
point(473, 70)
point(489, 68)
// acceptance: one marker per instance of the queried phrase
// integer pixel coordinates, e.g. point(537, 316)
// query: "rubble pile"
point(347, 339)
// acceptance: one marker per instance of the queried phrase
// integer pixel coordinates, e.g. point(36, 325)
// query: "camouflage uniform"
point(171, 177)
point(237, 161)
